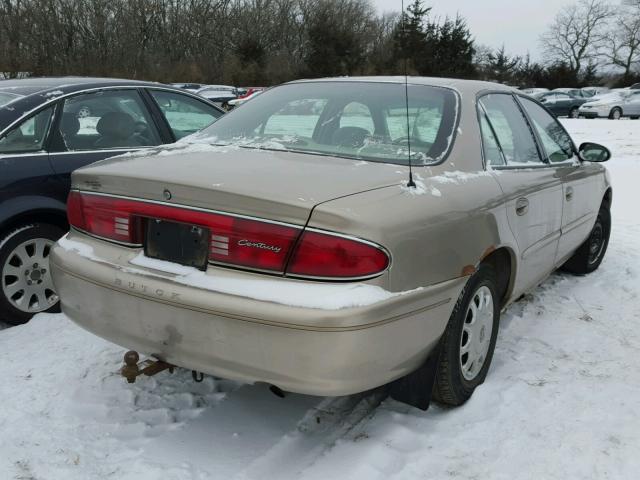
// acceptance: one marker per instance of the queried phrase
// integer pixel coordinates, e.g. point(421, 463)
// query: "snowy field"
point(562, 400)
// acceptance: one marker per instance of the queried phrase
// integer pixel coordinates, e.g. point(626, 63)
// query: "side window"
point(107, 119)
point(555, 141)
point(357, 115)
point(511, 128)
point(185, 115)
point(29, 136)
point(492, 154)
point(298, 117)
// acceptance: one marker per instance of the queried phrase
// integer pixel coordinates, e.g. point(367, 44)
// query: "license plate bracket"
point(177, 242)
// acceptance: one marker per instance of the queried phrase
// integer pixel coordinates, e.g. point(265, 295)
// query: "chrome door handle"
point(569, 194)
point(522, 206)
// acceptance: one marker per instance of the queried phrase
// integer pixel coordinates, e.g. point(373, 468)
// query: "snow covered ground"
point(562, 399)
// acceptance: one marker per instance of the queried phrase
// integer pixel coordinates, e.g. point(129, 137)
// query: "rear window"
point(368, 121)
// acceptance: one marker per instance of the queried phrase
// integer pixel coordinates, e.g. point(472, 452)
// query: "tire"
point(588, 257)
point(20, 250)
point(615, 114)
point(574, 113)
point(456, 379)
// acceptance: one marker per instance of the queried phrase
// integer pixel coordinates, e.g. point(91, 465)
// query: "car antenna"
point(406, 96)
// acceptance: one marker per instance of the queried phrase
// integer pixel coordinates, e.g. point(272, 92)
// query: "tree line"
point(266, 42)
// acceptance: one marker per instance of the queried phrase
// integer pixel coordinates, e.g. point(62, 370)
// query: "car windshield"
point(368, 121)
point(7, 97)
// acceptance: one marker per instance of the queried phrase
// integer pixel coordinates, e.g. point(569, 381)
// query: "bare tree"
point(577, 35)
point(623, 46)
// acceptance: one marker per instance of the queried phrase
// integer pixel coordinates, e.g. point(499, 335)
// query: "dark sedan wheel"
point(26, 287)
point(469, 340)
point(591, 253)
point(574, 113)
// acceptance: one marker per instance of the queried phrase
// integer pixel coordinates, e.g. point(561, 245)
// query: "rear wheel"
point(574, 113)
point(616, 113)
point(26, 286)
point(590, 254)
point(469, 341)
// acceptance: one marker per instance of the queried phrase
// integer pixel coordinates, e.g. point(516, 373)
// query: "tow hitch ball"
point(132, 369)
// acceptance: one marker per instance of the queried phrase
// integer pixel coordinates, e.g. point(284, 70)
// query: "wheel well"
point(608, 197)
point(51, 217)
point(502, 262)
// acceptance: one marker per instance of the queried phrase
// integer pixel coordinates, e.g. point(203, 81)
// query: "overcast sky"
point(515, 23)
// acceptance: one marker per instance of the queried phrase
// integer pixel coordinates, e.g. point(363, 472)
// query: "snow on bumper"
point(325, 341)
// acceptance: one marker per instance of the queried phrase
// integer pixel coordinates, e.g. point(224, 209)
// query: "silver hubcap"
point(26, 280)
point(476, 333)
point(84, 112)
point(616, 114)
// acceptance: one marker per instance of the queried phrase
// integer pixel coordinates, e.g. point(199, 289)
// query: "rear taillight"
point(111, 218)
point(234, 240)
point(328, 256)
point(75, 214)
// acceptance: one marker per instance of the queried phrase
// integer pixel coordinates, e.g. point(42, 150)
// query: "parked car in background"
point(635, 86)
point(574, 92)
point(562, 104)
point(240, 100)
point(624, 103)
point(247, 91)
point(594, 91)
point(45, 134)
point(191, 87)
point(219, 94)
point(534, 92)
point(342, 262)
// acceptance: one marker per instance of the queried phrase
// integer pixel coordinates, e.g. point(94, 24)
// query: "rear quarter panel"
point(438, 234)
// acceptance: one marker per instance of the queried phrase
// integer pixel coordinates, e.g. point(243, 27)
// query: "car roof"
point(468, 87)
point(38, 91)
point(28, 86)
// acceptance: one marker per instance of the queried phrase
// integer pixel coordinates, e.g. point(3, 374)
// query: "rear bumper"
point(590, 114)
point(300, 349)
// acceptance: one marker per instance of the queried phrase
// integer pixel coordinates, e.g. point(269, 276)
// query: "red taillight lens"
point(107, 217)
point(322, 255)
point(236, 241)
point(75, 215)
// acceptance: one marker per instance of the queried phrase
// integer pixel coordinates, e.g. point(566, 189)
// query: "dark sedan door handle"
point(569, 194)
point(522, 206)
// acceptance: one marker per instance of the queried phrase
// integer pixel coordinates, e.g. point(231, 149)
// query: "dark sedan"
point(50, 127)
point(563, 104)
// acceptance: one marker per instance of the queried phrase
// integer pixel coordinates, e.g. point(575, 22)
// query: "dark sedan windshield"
point(363, 120)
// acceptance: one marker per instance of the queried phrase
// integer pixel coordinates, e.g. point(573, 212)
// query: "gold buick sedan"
point(332, 236)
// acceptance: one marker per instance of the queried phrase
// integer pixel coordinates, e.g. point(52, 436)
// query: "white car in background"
point(622, 103)
point(534, 92)
point(239, 101)
point(219, 94)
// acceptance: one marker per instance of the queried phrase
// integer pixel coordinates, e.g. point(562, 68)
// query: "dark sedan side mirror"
point(593, 152)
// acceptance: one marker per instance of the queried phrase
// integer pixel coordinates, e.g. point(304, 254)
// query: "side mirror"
point(593, 152)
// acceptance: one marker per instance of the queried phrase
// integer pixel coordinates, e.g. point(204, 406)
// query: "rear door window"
point(107, 119)
point(555, 140)
point(30, 135)
point(512, 130)
point(492, 153)
point(184, 114)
